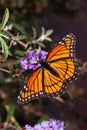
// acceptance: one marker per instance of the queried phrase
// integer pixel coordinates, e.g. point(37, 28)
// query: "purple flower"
point(51, 124)
point(33, 59)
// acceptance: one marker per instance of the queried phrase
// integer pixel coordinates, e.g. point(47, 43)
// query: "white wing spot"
point(18, 97)
point(20, 92)
point(23, 100)
point(68, 36)
point(32, 95)
point(25, 86)
point(61, 90)
point(41, 93)
point(26, 89)
point(36, 95)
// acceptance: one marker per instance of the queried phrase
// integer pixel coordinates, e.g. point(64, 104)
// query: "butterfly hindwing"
point(52, 84)
point(56, 85)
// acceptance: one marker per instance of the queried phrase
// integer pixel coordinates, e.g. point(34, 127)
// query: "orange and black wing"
point(33, 88)
point(62, 60)
point(44, 83)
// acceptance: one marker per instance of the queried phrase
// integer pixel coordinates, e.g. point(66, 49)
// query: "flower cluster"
point(33, 59)
point(51, 124)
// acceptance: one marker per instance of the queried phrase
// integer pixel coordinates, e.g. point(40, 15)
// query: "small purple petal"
point(33, 59)
point(24, 63)
point(27, 127)
point(51, 124)
point(37, 127)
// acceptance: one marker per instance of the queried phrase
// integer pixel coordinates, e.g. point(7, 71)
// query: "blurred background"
point(64, 17)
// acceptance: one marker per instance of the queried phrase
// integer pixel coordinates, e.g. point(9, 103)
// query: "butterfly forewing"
point(33, 88)
point(65, 48)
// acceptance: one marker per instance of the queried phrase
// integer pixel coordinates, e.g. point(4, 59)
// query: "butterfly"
point(51, 78)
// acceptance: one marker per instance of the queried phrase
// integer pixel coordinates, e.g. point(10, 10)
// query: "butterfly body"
point(49, 68)
point(59, 68)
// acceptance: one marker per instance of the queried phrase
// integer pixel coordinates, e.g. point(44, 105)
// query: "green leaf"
point(49, 32)
point(17, 126)
point(20, 37)
point(19, 52)
point(5, 19)
point(4, 47)
point(11, 64)
point(34, 32)
point(15, 62)
point(10, 112)
point(4, 34)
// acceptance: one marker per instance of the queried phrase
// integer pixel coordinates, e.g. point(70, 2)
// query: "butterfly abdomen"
point(48, 67)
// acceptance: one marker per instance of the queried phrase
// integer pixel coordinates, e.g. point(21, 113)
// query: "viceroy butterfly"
point(52, 77)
